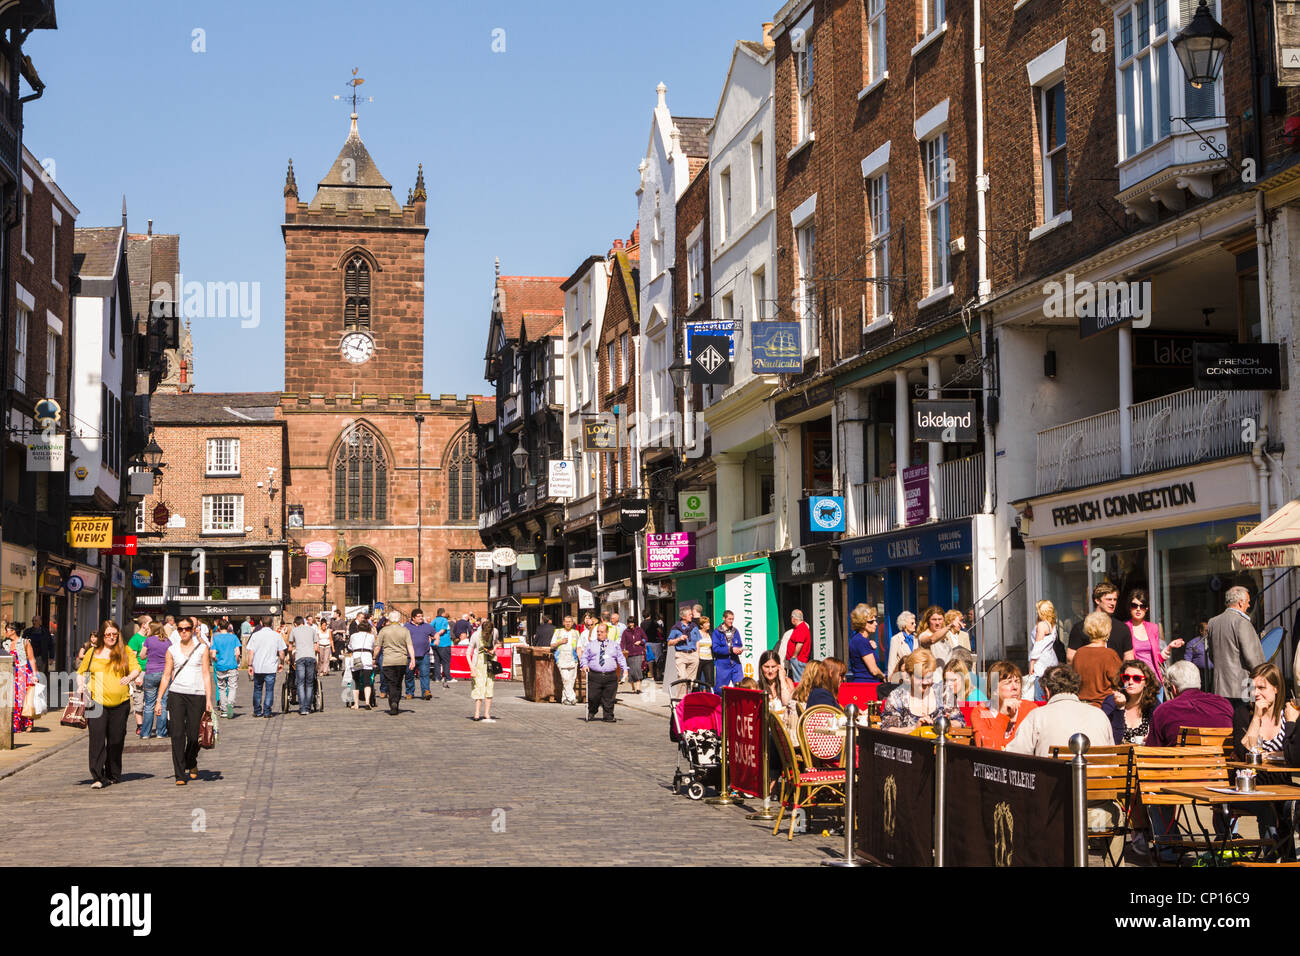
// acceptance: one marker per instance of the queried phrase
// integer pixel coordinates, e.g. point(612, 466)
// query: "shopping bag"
point(42, 698)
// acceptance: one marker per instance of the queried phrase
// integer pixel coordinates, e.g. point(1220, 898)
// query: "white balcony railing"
point(1167, 432)
point(879, 506)
point(961, 487)
point(1079, 453)
point(753, 534)
point(1190, 426)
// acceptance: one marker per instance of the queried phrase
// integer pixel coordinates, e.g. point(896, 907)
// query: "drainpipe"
point(982, 255)
point(1260, 460)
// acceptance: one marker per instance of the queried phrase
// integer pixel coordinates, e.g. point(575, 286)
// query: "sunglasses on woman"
point(1138, 604)
point(1134, 679)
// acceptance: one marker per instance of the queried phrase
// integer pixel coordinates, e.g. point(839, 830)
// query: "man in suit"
point(1235, 648)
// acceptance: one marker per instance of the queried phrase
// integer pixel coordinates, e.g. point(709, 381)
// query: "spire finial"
point(420, 194)
point(498, 267)
point(124, 210)
point(409, 198)
point(661, 91)
point(290, 184)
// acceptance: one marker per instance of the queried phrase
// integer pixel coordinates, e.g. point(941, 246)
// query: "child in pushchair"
point(695, 725)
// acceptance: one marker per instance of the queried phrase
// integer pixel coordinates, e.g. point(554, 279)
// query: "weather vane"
point(352, 91)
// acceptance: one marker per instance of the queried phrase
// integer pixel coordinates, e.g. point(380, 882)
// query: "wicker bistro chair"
point(823, 748)
point(1155, 769)
point(801, 785)
point(1109, 784)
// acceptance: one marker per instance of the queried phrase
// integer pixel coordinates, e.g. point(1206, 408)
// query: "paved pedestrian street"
point(427, 787)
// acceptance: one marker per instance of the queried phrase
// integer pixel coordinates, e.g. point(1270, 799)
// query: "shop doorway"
point(361, 579)
point(1123, 562)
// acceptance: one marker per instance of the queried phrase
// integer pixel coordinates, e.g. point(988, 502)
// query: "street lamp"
point(520, 457)
point(678, 371)
point(152, 454)
point(1201, 46)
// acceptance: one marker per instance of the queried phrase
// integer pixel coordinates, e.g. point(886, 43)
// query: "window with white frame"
point(223, 513)
point(759, 284)
point(139, 512)
point(27, 222)
point(54, 253)
point(609, 367)
point(656, 243)
point(223, 456)
point(51, 361)
point(805, 238)
point(803, 71)
point(588, 375)
point(875, 40)
point(878, 214)
point(935, 152)
point(1151, 86)
point(22, 315)
point(1051, 139)
point(724, 205)
point(624, 344)
point(728, 306)
point(932, 16)
point(575, 386)
point(756, 192)
point(695, 274)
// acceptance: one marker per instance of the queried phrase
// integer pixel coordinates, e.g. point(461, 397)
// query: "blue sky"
point(529, 154)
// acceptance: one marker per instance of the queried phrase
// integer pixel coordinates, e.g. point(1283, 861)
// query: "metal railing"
point(158, 596)
point(1082, 452)
point(879, 509)
point(961, 487)
point(753, 534)
point(1190, 426)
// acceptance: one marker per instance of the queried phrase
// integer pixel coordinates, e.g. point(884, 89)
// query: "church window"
point(360, 477)
point(356, 294)
point(462, 474)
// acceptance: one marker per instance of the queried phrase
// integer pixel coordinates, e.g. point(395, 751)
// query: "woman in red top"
point(997, 721)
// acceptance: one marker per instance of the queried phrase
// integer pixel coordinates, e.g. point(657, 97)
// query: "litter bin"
point(541, 682)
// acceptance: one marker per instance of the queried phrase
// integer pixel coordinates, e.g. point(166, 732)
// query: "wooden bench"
point(1109, 781)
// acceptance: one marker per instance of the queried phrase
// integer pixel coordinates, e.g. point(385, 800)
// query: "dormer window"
point(356, 294)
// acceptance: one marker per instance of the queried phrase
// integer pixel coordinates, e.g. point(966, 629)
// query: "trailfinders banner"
point(1007, 810)
point(895, 796)
point(742, 715)
point(745, 595)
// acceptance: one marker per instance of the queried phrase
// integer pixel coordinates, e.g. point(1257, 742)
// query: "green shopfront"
point(748, 590)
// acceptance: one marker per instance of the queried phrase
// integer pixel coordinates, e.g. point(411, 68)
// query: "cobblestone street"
point(345, 787)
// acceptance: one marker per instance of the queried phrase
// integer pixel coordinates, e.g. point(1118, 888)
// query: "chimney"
point(150, 232)
point(768, 42)
point(617, 247)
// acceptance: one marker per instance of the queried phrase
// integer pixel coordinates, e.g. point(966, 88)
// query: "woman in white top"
point(1042, 652)
point(361, 646)
point(187, 687)
point(324, 643)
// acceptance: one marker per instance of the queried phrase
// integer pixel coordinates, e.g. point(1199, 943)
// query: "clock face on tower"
point(357, 347)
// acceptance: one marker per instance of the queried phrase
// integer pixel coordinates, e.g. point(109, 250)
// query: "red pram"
point(695, 725)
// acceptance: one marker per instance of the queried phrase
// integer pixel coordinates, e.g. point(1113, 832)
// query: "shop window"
point(1194, 571)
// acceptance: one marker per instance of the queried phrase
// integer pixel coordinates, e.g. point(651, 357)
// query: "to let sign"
point(91, 532)
point(670, 552)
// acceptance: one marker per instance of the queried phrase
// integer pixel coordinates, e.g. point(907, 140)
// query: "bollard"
point(767, 813)
point(850, 762)
point(7, 700)
point(940, 785)
point(1079, 785)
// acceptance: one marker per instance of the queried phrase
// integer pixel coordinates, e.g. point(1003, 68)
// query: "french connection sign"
point(938, 420)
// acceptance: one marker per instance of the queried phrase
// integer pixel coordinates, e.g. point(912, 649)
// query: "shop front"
point(807, 579)
point(18, 584)
point(747, 589)
point(1169, 534)
point(911, 570)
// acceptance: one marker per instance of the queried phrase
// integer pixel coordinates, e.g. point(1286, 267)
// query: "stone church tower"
point(381, 491)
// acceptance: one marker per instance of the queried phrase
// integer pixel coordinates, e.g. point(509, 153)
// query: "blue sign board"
point(920, 546)
point(777, 348)
point(74, 583)
point(725, 327)
point(826, 513)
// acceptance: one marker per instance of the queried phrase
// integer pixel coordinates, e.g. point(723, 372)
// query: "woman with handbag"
point(361, 646)
point(187, 680)
point(24, 677)
point(107, 670)
point(482, 660)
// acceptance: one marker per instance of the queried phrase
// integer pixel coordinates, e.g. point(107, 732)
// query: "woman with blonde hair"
point(957, 684)
point(1042, 651)
point(916, 701)
point(107, 671)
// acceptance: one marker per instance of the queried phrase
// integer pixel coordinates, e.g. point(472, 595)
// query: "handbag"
point(493, 665)
point(207, 731)
point(74, 713)
point(29, 703)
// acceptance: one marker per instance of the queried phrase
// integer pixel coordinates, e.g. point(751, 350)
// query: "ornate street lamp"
point(1201, 46)
point(678, 371)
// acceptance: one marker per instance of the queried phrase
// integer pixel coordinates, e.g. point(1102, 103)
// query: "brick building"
point(383, 476)
point(212, 534)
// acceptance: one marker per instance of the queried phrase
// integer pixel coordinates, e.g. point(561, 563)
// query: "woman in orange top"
point(997, 721)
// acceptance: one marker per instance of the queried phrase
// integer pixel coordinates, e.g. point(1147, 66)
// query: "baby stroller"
point(695, 725)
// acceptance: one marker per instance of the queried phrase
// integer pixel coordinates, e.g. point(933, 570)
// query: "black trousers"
point(600, 692)
point(107, 738)
point(441, 663)
point(393, 675)
point(184, 711)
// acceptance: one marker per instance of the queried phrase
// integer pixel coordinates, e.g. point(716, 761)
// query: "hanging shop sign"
point(504, 557)
point(826, 512)
point(47, 414)
point(46, 453)
point(599, 437)
point(723, 328)
point(693, 506)
point(776, 348)
point(561, 479)
point(317, 572)
point(916, 494)
point(1236, 366)
point(711, 360)
point(88, 531)
point(950, 422)
point(939, 543)
point(141, 577)
point(633, 514)
point(123, 544)
point(318, 549)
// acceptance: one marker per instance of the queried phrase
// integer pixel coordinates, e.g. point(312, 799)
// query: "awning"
point(507, 604)
point(1273, 544)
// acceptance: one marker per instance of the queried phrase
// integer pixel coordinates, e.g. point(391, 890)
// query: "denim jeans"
point(796, 669)
point(421, 665)
point(306, 673)
point(153, 724)
point(263, 694)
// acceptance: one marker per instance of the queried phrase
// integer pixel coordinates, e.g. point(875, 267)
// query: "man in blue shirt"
point(728, 646)
point(226, 648)
point(421, 632)
point(442, 650)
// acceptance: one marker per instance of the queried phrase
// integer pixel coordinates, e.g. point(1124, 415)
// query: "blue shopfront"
point(910, 570)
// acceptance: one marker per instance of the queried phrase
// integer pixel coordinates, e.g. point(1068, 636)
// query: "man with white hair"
point(799, 650)
point(1235, 648)
point(1186, 705)
point(394, 642)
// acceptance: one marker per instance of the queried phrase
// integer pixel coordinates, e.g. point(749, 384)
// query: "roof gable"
point(354, 180)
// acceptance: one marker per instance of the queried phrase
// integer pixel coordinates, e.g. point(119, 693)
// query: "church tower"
point(353, 281)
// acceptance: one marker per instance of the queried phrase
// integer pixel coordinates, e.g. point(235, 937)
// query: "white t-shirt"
point(189, 678)
point(264, 647)
point(361, 644)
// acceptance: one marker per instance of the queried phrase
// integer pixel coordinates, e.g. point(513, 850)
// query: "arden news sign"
point(947, 421)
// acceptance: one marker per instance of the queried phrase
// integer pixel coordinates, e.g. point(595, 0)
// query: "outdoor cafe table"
point(1206, 796)
point(1268, 766)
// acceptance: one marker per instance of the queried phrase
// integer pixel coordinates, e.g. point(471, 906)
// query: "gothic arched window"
point(462, 474)
point(360, 477)
point(356, 293)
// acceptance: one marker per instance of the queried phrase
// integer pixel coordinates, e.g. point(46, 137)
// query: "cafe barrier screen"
point(895, 797)
point(742, 716)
